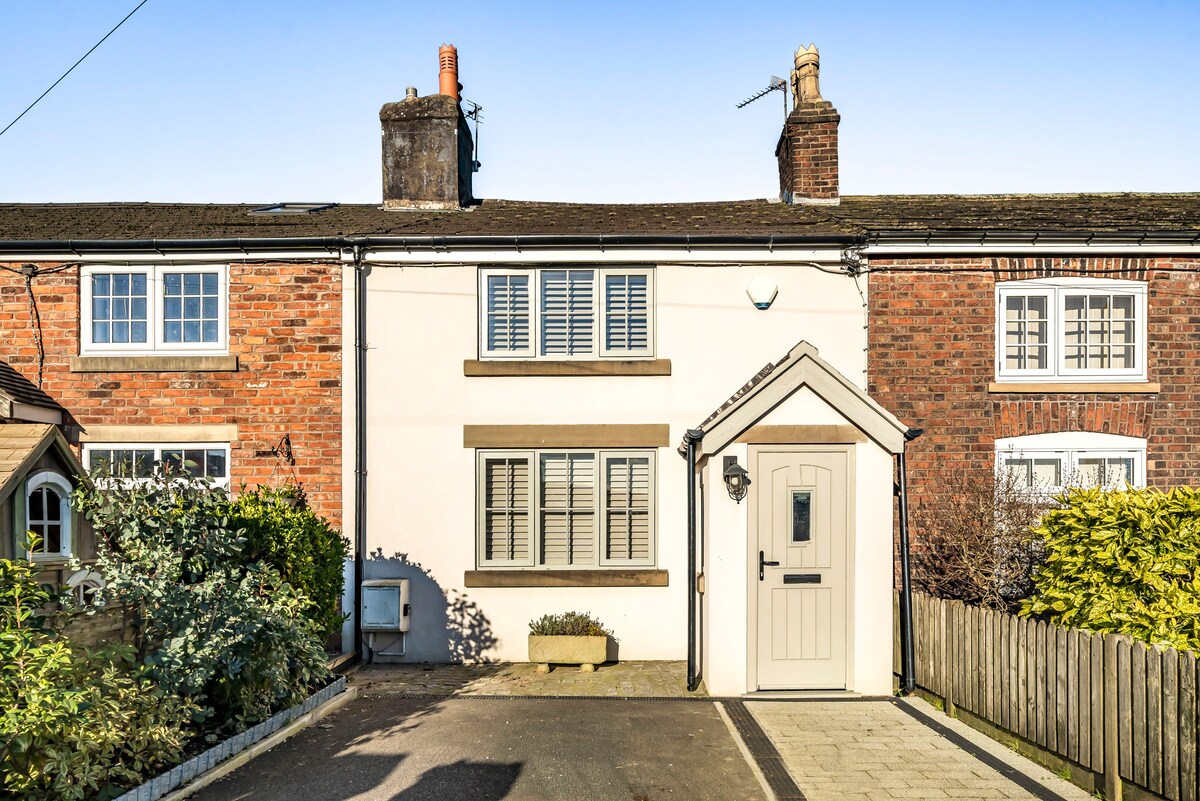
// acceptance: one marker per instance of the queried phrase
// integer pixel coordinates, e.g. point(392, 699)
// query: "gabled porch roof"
point(20, 447)
point(775, 383)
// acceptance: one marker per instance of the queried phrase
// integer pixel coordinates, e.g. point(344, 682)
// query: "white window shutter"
point(508, 318)
point(627, 509)
point(506, 509)
point(568, 312)
point(568, 513)
point(627, 313)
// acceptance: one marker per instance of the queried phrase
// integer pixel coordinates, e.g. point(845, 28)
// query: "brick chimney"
point(427, 146)
point(808, 147)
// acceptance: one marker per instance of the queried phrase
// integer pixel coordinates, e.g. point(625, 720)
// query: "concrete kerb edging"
point(226, 757)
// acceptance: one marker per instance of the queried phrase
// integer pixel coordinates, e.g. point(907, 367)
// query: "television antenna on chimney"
point(776, 84)
point(474, 113)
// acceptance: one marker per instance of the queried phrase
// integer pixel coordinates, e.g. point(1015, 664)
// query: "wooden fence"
point(1103, 702)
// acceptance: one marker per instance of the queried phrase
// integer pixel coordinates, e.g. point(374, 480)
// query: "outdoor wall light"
point(737, 480)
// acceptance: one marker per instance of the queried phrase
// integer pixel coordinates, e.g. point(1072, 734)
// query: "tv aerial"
point(776, 84)
point(474, 112)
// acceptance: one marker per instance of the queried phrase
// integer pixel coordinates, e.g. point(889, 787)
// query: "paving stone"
point(842, 750)
point(615, 680)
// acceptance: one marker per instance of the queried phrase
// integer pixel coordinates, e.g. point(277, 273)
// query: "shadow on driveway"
point(427, 749)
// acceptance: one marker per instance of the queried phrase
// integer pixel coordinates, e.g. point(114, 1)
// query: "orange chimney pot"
point(448, 75)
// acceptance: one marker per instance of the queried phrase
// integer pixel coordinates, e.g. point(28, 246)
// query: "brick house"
point(951, 328)
point(564, 355)
point(252, 360)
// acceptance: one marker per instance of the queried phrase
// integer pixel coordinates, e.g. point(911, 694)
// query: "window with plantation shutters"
point(627, 510)
point(626, 313)
point(508, 317)
point(567, 313)
point(506, 496)
point(566, 509)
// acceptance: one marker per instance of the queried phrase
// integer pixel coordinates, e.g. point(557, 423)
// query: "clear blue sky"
point(259, 100)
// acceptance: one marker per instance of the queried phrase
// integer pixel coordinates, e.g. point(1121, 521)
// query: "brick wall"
point(285, 327)
point(808, 154)
point(932, 356)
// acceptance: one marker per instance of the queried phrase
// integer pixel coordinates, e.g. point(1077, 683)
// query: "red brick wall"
point(285, 327)
point(932, 355)
point(808, 154)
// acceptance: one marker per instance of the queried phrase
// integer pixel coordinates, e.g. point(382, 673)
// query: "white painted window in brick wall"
point(142, 310)
point(1048, 463)
point(1078, 329)
point(135, 461)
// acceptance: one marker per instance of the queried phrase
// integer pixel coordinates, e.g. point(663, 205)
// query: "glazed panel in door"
point(800, 569)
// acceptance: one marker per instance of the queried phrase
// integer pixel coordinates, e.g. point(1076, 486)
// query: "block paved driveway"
point(394, 748)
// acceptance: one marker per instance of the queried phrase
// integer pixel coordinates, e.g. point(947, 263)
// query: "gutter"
point(79, 247)
point(992, 242)
point(908, 679)
point(360, 441)
point(692, 438)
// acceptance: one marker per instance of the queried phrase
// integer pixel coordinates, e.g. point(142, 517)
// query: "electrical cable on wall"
point(35, 319)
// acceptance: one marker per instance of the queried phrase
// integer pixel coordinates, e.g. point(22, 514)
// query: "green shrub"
point(1123, 562)
point(75, 723)
point(233, 637)
point(572, 624)
point(301, 545)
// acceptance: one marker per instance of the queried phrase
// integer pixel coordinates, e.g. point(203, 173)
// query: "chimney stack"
point(427, 147)
point(808, 147)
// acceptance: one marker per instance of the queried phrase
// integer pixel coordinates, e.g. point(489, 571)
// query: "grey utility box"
point(385, 605)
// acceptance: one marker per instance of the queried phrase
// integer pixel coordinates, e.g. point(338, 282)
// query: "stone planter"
point(587, 652)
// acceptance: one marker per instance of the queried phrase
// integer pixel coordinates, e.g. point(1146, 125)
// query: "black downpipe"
point(360, 442)
point(908, 679)
point(692, 438)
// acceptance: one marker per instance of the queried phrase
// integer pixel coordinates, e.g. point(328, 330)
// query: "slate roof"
point(1083, 213)
point(16, 388)
point(132, 221)
point(855, 217)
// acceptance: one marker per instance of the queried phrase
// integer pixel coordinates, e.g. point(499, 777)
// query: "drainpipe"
point(908, 681)
point(360, 441)
point(692, 439)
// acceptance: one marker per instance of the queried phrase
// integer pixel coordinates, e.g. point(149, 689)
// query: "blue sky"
point(247, 101)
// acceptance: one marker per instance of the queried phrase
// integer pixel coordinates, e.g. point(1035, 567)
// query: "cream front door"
point(800, 518)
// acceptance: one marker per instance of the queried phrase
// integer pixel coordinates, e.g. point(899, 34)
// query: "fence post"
point(1113, 791)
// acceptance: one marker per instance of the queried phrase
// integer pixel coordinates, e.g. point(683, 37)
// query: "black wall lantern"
point(737, 480)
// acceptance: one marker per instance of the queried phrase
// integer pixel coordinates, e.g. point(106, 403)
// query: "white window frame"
point(535, 533)
point(600, 318)
point(158, 448)
point(1056, 290)
point(59, 483)
point(1070, 447)
point(155, 285)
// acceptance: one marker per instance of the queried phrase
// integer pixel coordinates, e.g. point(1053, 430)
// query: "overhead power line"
point(73, 66)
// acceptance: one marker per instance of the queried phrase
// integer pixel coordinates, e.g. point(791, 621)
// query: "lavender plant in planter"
point(572, 638)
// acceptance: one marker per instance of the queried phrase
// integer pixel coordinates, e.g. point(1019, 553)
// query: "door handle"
point(762, 562)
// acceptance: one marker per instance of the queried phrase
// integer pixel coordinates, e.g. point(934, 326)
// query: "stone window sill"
point(602, 577)
point(1066, 388)
point(540, 367)
point(154, 364)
